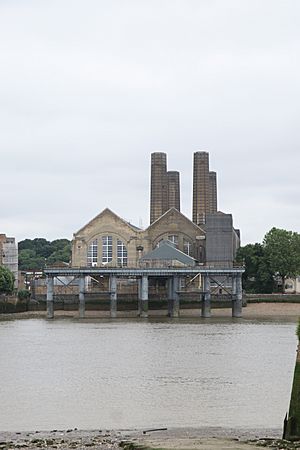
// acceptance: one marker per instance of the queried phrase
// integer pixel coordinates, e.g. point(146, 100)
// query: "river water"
point(154, 373)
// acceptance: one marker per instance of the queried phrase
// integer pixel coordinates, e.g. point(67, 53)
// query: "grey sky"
point(89, 88)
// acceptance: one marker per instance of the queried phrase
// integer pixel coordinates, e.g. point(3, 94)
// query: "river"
point(154, 373)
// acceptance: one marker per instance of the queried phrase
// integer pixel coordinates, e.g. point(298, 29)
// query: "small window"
point(187, 247)
point(174, 239)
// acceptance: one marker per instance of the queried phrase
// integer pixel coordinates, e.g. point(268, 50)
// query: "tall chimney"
point(159, 193)
point(173, 190)
point(213, 200)
point(201, 195)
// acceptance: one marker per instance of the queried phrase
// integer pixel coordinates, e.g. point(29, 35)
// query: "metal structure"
point(142, 275)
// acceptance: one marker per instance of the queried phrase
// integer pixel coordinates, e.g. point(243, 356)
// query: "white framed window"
point(187, 247)
point(92, 254)
point(174, 239)
point(122, 256)
point(107, 249)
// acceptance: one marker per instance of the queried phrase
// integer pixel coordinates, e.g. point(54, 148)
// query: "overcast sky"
point(89, 88)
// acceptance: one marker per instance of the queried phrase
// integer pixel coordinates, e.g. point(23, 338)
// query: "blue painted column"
point(139, 296)
point(50, 299)
point(144, 296)
point(175, 296)
point(113, 296)
point(81, 297)
point(206, 312)
point(237, 295)
point(170, 295)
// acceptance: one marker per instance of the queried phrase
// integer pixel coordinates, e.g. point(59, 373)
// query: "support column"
point(237, 295)
point(170, 295)
point(50, 301)
point(175, 296)
point(144, 296)
point(206, 298)
point(113, 296)
point(139, 296)
point(81, 297)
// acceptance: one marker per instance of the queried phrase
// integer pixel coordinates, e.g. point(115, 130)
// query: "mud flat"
point(212, 438)
point(280, 311)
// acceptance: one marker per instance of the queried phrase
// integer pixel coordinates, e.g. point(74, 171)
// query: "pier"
point(142, 275)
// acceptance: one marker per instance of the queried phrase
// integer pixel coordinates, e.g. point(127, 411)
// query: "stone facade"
point(90, 243)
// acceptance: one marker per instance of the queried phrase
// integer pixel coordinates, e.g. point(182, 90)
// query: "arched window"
point(107, 249)
point(92, 254)
point(121, 253)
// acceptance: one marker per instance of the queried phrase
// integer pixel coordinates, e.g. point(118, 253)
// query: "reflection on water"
point(132, 373)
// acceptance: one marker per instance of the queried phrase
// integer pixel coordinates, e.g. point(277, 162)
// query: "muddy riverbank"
point(283, 311)
point(212, 438)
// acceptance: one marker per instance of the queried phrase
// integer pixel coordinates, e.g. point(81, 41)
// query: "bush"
point(7, 280)
point(23, 294)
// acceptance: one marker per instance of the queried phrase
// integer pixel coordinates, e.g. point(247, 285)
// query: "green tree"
point(7, 280)
point(258, 277)
point(34, 254)
point(282, 249)
point(61, 251)
point(59, 244)
point(28, 260)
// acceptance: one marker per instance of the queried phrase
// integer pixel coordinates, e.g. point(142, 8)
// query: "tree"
point(282, 249)
point(258, 277)
point(28, 260)
point(34, 254)
point(7, 280)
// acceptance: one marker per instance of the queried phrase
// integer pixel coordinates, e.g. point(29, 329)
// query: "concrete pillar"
point(113, 296)
point(170, 295)
point(50, 300)
point(139, 296)
point(81, 296)
point(237, 295)
point(144, 296)
point(175, 296)
point(206, 298)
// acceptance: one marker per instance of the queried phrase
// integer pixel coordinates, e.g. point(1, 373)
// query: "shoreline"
point(265, 311)
point(205, 438)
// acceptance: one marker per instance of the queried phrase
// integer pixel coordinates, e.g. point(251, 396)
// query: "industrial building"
point(209, 238)
point(170, 259)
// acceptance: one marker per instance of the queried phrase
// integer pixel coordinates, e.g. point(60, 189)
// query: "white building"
point(292, 285)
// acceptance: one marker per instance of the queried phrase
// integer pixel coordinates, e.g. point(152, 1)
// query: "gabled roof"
point(105, 212)
point(167, 251)
point(174, 212)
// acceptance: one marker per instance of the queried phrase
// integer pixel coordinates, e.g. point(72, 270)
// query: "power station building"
point(209, 238)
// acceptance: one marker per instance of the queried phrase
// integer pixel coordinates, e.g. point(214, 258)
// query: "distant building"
point(292, 285)
point(209, 239)
point(9, 255)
